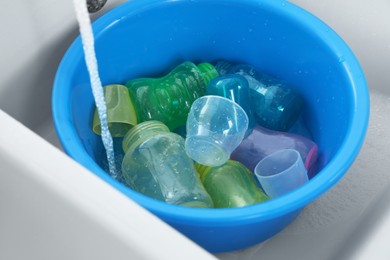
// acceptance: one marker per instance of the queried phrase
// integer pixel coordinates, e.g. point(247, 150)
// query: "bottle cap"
point(121, 115)
point(215, 127)
point(281, 172)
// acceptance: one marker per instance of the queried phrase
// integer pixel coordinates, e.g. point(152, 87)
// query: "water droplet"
point(341, 59)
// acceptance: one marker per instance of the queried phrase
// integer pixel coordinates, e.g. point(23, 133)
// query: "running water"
point(96, 85)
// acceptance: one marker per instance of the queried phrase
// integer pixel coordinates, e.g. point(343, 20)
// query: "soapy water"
point(87, 38)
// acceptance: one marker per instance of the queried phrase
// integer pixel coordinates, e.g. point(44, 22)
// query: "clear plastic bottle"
point(231, 185)
point(156, 164)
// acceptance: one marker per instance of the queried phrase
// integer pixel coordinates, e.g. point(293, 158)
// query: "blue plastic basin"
point(144, 38)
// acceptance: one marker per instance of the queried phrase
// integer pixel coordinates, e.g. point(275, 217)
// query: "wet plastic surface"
point(326, 227)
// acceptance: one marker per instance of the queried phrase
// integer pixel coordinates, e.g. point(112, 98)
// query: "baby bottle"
point(262, 142)
point(155, 164)
point(168, 99)
point(230, 185)
point(275, 105)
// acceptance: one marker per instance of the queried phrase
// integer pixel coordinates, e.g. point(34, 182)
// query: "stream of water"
point(96, 85)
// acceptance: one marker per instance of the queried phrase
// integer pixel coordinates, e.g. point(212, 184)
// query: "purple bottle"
point(262, 142)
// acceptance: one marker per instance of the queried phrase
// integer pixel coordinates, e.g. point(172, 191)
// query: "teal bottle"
point(274, 107)
point(274, 103)
point(231, 185)
point(156, 164)
point(168, 99)
point(234, 87)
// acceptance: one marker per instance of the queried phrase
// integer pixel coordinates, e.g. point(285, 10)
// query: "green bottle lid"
point(208, 72)
point(121, 116)
point(141, 132)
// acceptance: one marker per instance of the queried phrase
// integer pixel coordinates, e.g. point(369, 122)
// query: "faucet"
point(95, 5)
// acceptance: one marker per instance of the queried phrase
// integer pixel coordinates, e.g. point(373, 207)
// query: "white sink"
point(46, 202)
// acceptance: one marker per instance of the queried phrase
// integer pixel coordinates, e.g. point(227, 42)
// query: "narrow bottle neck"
point(207, 72)
point(202, 170)
point(223, 67)
point(142, 132)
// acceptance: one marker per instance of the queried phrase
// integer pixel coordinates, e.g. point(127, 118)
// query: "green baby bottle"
point(231, 185)
point(168, 99)
point(156, 164)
